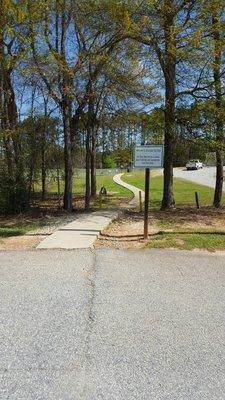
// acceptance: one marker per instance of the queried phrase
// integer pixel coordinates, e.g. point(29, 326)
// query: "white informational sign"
point(148, 156)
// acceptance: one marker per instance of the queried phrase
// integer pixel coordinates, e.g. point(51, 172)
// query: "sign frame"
point(149, 146)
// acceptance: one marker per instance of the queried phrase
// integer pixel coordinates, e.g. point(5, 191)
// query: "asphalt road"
point(112, 325)
point(205, 176)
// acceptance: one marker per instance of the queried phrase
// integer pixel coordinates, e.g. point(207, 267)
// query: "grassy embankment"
point(185, 227)
point(12, 226)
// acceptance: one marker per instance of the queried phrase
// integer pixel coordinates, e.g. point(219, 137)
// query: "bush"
point(12, 199)
point(109, 161)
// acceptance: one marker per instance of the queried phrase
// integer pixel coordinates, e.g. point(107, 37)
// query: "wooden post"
point(147, 184)
point(100, 199)
point(197, 201)
point(140, 201)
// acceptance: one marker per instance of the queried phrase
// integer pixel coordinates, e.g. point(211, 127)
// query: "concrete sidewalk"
point(83, 231)
point(135, 200)
point(80, 233)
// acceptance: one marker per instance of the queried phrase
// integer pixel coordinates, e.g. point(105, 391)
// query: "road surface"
point(205, 176)
point(112, 325)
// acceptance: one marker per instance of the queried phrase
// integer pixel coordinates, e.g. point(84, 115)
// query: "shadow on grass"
point(108, 235)
point(169, 233)
point(161, 233)
point(8, 232)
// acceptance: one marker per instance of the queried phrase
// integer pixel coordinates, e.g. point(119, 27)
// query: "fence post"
point(140, 201)
point(197, 200)
point(100, 199)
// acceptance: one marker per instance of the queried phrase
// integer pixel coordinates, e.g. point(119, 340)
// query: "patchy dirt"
point(24, 242)
point(32, 238)
point(127, 231)
point(124, 233)
point(190, 218)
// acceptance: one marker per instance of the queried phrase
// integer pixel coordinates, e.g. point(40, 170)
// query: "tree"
point(219, 120)
point(164, 27)
point(12, 50)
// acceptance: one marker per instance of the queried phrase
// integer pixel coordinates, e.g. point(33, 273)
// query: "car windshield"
point(194, 161)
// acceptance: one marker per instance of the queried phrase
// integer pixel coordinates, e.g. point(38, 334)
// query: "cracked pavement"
point(110, 324)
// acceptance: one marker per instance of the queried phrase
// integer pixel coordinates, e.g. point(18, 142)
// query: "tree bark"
point(88, 191)
point(8, 151)
point(169, 74)
point(58, 185)
point(93, 163)
point(68, 192)
point(15, 159)
point(43, 166)
point(218, 110)
point(43, 150)
point(91, 136)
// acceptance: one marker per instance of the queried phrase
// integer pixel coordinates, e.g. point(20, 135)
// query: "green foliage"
point(123, 49)
point(13, 199)
point(109, 161)
point(7, 195)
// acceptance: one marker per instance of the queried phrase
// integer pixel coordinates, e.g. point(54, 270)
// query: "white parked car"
point(194, 164)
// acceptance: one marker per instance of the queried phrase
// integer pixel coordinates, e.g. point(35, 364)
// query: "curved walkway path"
point(135, 200)
point(83, 231)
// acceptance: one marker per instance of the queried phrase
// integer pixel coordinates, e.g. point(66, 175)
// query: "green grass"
point(19, 229)
point(79, 186)
point(116, 193)
point(211, 241)
point(184, 191)
point(12, 231)
point(178, 237)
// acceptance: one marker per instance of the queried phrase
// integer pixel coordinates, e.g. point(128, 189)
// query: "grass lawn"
point(13, 226)
point(115, 193)
point(184, 191)
point(208, 240)
point(185, 227)
point(18, 228)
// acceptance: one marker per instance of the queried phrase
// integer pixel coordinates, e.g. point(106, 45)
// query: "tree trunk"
point(43, 151)
point(93, 163)
point(11, 123)
point(8, 154)
point(43, 166)
point(103, 146)
point(218, 111)
point(91, 136)
point(68, 191)
point(58, 186)
point(169, 74)
point(88, 192)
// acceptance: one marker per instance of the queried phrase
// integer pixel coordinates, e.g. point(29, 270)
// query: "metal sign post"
point(148, 157)
point(147, 185)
